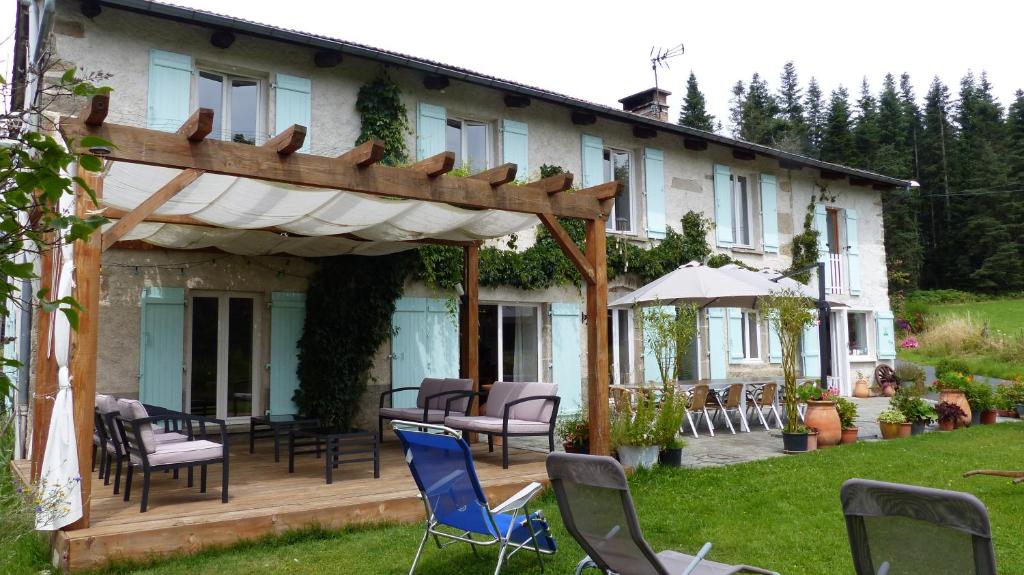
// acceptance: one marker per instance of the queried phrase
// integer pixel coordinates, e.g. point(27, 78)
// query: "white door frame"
point(223, 298)
point(840, 349)
point(501, 339)
point(614, 350)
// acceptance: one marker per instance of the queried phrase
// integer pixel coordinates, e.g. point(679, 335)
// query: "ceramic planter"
point(637, 457)
point(849, 436)
point(917, 427)
point(948, 425)
point(906, 429)
point(862, 389)
point(671, 457)
point(794, 442)
point(812, 440)
point(957, 397)
point(988, 417)
point(888, 390)
point(822, 416)
point(889, 430)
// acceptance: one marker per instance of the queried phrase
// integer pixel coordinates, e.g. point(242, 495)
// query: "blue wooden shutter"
point(811, 352)
point(886, 335)
point(735, 316)
point(774, 343)
point(716, 343)
point(294, 105)
point(515, 145)
point(821, 224)
point(565, 355)
point(651, 370)
point(723, 206)
point(431, 122)
point(162, 347)
point(593, 161)
point(170, 88)
point(654, 181)
point(769, 213)
point(852, 251)
point(287, 319)
point(425, 344)
point(443, 339)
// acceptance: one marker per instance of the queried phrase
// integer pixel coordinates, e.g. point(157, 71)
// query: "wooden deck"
point(264, 499)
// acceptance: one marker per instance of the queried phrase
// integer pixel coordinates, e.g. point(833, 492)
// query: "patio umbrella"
point(766, 279)
point(695, 283)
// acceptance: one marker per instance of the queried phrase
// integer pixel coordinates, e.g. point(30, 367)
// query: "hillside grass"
point(782, 513)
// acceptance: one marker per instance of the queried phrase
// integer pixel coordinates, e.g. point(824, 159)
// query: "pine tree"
point(815, 107)
point(865, 131)
point(837, 144)
point(1015, 139)
point(759, 118)
point(912, 115)
point(936, 146)
point(694, 111)
point(739, 95)
point(893, 155)
point(793, 137)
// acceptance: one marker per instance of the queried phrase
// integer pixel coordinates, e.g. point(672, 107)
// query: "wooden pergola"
point(357, 170)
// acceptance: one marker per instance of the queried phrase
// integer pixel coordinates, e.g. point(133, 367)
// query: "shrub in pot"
point(847, 411)
point(672, 453)
point(632, 432)
point(949, 415)
point(918, 412)
point(981, 398)
point(952, 388)
point(789, 314)
point(1010, 397)
point(574, 430)
point(666, 332)
point(669, 419)
point(890, 421)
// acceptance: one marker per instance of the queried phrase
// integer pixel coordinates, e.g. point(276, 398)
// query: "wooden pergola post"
point(84, 339)
point(597, 339)
point(469, 328)
point(45, 380)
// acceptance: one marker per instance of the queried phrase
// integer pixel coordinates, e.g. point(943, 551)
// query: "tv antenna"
point(659, 58)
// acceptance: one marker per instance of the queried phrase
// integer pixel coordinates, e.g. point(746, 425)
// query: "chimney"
point(651, 103)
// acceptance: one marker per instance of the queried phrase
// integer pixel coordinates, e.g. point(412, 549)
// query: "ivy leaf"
point(91, 163)
point(72, 315)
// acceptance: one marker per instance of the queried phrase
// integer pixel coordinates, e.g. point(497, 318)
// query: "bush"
point(980, 395)
point(1009, 395)
point(634, 424)
point(950, 366)
point(913, 408)
point(910, 373)
point(847, 412)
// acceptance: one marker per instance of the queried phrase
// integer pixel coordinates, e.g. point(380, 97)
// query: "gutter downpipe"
point(21, 394)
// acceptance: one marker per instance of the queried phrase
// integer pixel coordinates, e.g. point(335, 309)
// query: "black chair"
point(897, 529)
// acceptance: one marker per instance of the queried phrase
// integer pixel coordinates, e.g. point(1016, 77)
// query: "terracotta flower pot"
point(957, 397)
point(888, 390)
point(812, 441)
point(849, 436)
point(862, 389)
point(890, 430)
point(988, 417)
point(822, 415)
point(948, 425)
point(906, 429)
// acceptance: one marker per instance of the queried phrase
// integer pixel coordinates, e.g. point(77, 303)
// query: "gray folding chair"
point(899, 529)
point(597, 509)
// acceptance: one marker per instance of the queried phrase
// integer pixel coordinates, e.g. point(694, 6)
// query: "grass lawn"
point(782, 514)
point(978, 365)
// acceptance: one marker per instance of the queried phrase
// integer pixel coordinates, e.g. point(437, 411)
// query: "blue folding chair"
point(456, 507)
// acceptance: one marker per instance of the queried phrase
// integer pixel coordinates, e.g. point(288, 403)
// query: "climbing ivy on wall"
point(384, 117)
point(805, 244)
point(349, 305)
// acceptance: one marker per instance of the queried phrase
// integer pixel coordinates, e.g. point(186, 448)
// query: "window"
point(857, 326)
point(617, 166)
point(743, 209)
point(509, 343)
point(832, 223)
point(235, 103)
point(620, 338)
point(751, 335)
point(468, 141)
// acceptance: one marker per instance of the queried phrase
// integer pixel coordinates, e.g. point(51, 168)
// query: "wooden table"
point(363, 445)
point(277, 427)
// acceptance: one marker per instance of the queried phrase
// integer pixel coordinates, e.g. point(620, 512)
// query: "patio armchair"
point(732, 404)
point(697, 403)
point(514, 409)
point(895, 529)
point(597, 509)
point(116, 453)
point(456, 507)
point(432, 402)
point(149, 454)
point(763, 400)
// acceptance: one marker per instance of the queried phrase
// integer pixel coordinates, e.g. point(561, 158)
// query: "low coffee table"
point(358, 446)
point(277, 426)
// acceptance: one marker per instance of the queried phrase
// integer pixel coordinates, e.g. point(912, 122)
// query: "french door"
point(222, 374)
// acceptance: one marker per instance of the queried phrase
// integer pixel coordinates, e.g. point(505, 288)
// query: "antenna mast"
point(660, 56)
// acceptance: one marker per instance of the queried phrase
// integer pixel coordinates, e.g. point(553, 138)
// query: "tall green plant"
point(384, 117)
point(789, 313)
point(666, 333)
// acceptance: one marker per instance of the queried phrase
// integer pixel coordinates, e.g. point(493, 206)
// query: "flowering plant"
point(812, 391)
point(51, 501)
point(910, 343)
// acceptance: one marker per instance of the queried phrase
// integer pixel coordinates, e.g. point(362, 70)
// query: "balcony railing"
point(837, 274)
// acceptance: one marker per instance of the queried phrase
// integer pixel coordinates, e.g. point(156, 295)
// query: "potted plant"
point(862, 387)
point(890, 421)
point(949, 414)
point(910, 375)
point(632, 432)
point(1010, 398)
point(847, 411)
point(917, 411)
point(789, 314)
point(669, 419)
point(981, 398)
point(952, 387)
point(575, 432)
point(666, 332)
point(821, 412)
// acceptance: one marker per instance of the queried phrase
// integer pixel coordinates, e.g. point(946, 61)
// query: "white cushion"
point(494, 424)
point(412, 414)
point(184, 452)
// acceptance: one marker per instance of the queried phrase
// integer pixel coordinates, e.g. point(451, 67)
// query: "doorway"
point(222, 368)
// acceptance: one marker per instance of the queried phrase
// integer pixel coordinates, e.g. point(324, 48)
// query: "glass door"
point(222, 367)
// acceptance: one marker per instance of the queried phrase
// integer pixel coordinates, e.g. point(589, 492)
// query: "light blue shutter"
point(723, 206)
point(431, 122)
point(425, 344)
point(852, 251)
point(565, 355)
point(293, 105)
point(821, 224)
point(811, 352)
point(654, 180)
point(716, 343)
point(774, 343)
point(769, 213)
point(651, 370)
point(593, 161)
point(735, 335)
point(515, 145)
point(162, 347)
point(170, 88)
point(287, 319)
point(886, 335)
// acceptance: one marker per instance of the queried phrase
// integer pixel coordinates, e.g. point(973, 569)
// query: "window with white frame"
point(857, 328)
point(509, 343)
point(620, 339)
point(751, 335)
point(236, 103)
point(618, 166)
point(469, 141)
point(743, 211)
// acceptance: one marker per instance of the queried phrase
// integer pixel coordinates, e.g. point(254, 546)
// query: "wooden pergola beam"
point(129, 220)
point(597, 340)
point(288, 141)
point(152, 147)
point(552, 185)
point(198, 125)
point(436, 165)
point(469, 325)
point(605, 191)
point(497, 176)
point(568, 246)
point(365, 154)
point(96, 110)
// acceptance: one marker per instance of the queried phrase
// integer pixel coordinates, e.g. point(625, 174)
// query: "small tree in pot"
point(790, 313)
point(632, 431)
point(666, 333)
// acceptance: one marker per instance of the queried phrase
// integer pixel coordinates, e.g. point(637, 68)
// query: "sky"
point(601, 51)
